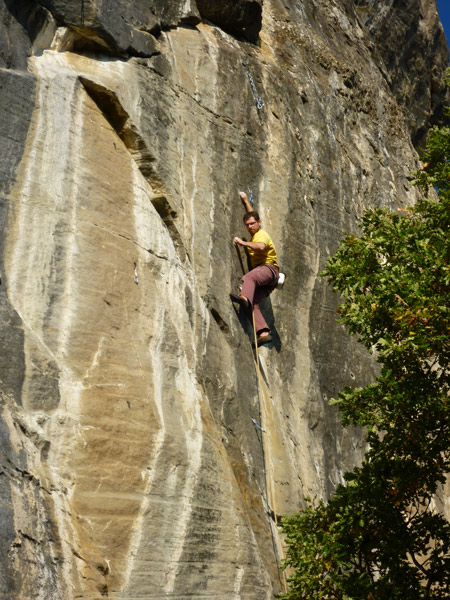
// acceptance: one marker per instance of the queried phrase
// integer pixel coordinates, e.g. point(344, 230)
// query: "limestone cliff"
point(131, 463)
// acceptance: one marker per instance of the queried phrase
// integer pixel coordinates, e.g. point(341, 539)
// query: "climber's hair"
point(250, 214)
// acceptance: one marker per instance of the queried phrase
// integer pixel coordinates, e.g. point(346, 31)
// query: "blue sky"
point(444, 13)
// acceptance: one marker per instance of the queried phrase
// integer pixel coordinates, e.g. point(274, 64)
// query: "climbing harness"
point(279, 277)
point(258, 99)
point(274, 273)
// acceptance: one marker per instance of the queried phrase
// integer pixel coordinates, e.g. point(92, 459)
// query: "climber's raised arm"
point(245, 201)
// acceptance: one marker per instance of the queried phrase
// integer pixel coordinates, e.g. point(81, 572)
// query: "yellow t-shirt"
point(263, 257)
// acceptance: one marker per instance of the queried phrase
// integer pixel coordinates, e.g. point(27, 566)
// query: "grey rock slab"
point(125, 27)
point(134, 461)
point(239, 17)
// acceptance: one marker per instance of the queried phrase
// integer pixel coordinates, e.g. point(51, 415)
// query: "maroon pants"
point(257, 284)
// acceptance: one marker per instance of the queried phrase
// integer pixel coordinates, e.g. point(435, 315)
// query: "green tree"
point(381, 537)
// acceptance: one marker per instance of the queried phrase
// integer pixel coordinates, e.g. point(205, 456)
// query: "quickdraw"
point(258, 99)
point(250, 197)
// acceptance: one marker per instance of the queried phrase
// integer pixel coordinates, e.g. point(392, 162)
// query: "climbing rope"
point(82, 13)
point(269, 493)
point(259, 101)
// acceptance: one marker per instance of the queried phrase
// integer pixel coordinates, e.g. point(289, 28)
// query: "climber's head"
point(252, 222)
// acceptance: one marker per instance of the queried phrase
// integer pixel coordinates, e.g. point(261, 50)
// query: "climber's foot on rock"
point(262, 339)
point(240, 300)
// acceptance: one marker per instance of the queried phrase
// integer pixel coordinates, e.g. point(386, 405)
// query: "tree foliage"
point(381, 536)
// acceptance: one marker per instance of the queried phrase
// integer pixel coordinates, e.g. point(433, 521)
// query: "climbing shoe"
point(262, 340)
point(240, 300)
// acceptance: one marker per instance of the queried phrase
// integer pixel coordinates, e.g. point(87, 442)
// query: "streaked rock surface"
point(131, 464)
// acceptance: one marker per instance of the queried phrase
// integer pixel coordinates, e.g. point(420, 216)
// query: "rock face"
point(413, 51)
point(133, 463)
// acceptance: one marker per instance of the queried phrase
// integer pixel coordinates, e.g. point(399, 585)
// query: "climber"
point(262, 279)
